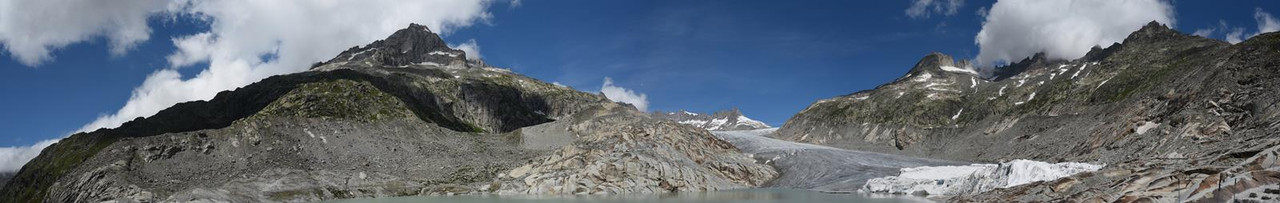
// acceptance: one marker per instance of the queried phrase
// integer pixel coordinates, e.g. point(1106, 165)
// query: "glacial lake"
point(729, 196)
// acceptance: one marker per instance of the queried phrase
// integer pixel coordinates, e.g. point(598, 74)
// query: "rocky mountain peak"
point(939, 64)
point(731, 119)
point(415, 44)
point(1153, 32)
point(1038, 60)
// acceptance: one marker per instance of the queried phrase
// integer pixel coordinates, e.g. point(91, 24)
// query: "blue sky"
point(769, 58)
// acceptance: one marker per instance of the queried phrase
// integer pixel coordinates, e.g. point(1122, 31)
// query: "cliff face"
point(402, 116)
point(1159, 99)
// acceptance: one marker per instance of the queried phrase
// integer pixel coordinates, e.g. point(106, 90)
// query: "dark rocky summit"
point(1174, 117)
point(402, 116)
point(731, 119)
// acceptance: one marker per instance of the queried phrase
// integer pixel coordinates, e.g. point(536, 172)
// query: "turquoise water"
point(734, 196)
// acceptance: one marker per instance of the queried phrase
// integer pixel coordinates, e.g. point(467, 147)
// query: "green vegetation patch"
point(343, 99)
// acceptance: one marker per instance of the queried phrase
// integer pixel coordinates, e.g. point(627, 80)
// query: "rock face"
point(402, 116)
point(5, 176)
point(1130, 106)
point(618, 150)
point(731, 119)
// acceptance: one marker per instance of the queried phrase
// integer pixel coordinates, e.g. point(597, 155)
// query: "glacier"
point(973, 178)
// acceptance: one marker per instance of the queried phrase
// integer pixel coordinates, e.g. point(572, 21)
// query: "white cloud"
point(619, 94)
point(31, 29)
point(1016, 29)
point(1206, 32)
point(1266, 23)
point(12, 158)
point(1235, 36)
point(470, 47)
point(296, 32)
point(923, 8)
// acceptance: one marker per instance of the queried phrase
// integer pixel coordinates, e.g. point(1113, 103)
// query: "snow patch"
point(957, 114)
point(974, 178)
point(1146, 125)
point(922, 77)
point(959, 70)
point(444, 53)
point(428, 63)
point(743, 120)
point(716, 123)
point(1029, 98)
point(1073, 76)
point(353, 56)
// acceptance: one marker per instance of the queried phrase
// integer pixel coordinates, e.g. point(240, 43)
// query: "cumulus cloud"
point(31, 29)
point(1016, 29)
point(619, 94)
point(470, 47)
point(923, 8)
point(12, 158)
point(295, 33)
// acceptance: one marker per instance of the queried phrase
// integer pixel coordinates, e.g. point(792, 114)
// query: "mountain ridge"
point(724, 120)
point(1158, 94)
point(402, 116)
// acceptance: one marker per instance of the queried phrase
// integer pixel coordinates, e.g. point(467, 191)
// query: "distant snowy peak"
point(719, 121)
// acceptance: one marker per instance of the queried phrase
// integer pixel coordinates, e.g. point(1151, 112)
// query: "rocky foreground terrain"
point(402, 116)
point(1174, 117)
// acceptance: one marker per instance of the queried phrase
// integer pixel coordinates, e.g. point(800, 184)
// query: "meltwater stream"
point(821, 168)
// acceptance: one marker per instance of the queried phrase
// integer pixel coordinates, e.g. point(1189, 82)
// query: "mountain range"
point(1170, 116)
point(726, 120)
point(1174, 117)
point(406, 115)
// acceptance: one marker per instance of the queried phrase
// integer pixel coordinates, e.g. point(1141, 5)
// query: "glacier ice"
point(974, 178)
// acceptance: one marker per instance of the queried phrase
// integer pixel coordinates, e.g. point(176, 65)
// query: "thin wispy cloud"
point(926, 8)
point(1266, 23)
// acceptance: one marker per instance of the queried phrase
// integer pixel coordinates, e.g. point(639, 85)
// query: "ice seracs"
point(974, 178)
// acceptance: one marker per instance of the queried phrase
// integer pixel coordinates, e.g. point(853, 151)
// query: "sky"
point(77, 65)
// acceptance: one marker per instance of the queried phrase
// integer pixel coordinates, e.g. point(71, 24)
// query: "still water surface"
point(734, 196)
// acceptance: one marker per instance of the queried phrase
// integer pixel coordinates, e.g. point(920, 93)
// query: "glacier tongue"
point(975, 178)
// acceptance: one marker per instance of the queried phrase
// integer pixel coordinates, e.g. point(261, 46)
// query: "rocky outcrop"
point(1127, 106)
point(402, 116)
point(731, 119)
point(619, 150)
point(5, 176)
